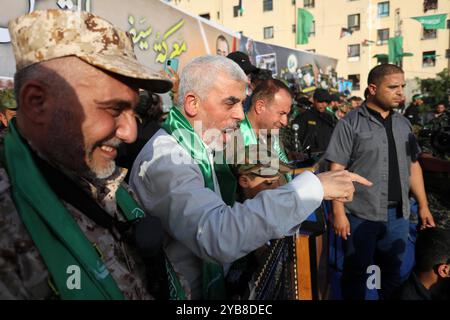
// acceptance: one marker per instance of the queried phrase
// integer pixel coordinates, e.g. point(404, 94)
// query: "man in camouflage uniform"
point(77, 79)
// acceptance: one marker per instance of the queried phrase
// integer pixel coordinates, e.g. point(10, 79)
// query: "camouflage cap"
point(258, 160)
point(49, 34)
point(7, 99)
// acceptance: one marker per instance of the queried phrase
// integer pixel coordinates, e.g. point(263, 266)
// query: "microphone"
point(296, 127)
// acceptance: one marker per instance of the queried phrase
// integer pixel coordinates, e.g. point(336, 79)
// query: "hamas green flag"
point(395, 49)
point(304, 23)
point(436, 21)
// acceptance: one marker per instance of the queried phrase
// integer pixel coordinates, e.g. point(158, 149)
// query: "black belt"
point(393, 204)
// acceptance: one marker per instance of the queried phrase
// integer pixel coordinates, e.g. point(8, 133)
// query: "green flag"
point(304, 24)
point(436, 21)
point(395, 49)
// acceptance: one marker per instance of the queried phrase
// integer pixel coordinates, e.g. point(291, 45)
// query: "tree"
point(436, 88)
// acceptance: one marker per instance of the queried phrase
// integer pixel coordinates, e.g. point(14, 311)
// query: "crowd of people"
point(103, 196)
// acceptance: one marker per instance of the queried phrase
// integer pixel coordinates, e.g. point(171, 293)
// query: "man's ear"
point(191, 104)
point(372, 89)
point(32, 99)
point(444, 270)
point(259, 106)
point(244, 181)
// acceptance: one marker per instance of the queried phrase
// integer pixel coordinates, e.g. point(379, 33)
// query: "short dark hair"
point(355, 98)
point(432, 248)
point(377, 74)
point(267, 89)
point(221, 38)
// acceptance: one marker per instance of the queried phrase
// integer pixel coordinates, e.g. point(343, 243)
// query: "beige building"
point(370, 22)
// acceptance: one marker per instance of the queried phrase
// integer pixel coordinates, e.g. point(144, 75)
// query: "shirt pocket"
point(364, 142)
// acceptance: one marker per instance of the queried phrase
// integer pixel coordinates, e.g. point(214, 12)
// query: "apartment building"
point(356, 32)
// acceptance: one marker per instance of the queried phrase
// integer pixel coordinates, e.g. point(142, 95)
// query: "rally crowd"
point(103, 196)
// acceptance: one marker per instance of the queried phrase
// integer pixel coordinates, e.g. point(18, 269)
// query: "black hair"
point(149, 107)
point(379, 72)
point(267, 89)
point(260, 75)
point(432, 248)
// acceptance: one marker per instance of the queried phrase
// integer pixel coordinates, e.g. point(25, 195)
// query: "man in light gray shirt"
point(174, 180)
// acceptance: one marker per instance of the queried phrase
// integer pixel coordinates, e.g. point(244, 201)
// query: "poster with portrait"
point(323, 81)
point(333, 82)
point(306, 78)
point(267, 61)
point(345, 86)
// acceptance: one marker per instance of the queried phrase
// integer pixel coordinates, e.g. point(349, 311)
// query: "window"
point(430, 5)
point(308, 3)
point(448, 24)
point(237, 12)
point(294, 28)
point(447, 54)
point(353, 22)
point(268, 32)
point(429, 33)
point(353, 50)
point(267, 5)
point(383, 9)
point(206, 16)
point(355, 79)
point(293, 2)
point(382, 36)
point(218, 15)
point(313, 29)
point(429, 59)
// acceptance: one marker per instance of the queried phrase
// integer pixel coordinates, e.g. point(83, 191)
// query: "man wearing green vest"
point(67, 221)
point(174, 178)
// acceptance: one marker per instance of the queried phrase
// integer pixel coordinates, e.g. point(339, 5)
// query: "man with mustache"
point(173, 176)
point(64, 209)
point(376, 142)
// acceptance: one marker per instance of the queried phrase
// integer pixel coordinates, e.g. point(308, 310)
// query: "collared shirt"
point(199, 225)
point(394, 187)
point(360, 143)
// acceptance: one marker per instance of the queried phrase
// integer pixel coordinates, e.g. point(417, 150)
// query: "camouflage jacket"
point(23, 274)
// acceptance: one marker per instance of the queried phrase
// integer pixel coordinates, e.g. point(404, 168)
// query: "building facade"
point(356, 32)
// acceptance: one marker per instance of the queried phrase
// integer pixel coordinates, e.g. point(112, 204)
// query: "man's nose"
point(126, 126)
point(284, 120)
point(238, 112)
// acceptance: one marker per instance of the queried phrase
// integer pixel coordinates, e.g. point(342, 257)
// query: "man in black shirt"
point(317, 124)
point(430, 279)
point(412, 112)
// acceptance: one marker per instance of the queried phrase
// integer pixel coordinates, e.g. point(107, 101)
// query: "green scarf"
point(178, 126)
point(226, 178)
point(55, 233)
point(247, 132)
